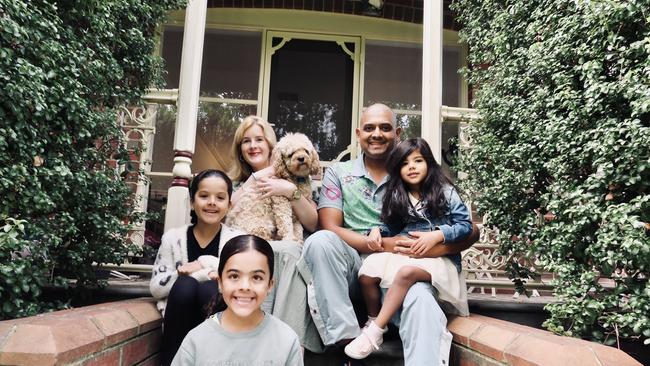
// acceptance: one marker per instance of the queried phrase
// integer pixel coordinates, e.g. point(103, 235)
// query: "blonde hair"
point(241, 170)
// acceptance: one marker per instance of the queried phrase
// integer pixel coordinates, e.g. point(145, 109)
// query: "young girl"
point(242, 334)
point(420, 202)
point(180, 279)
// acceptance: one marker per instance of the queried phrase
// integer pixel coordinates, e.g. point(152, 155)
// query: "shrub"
point(564, 98)
point(65, 68)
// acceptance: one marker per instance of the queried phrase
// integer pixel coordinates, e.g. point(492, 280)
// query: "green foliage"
point(23, 271)
point(65, 68)
point(564, 99)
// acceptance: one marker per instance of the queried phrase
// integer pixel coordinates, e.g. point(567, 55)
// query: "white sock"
point(375, 331)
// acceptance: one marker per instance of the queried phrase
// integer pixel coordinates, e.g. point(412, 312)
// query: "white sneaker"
point(370, 339)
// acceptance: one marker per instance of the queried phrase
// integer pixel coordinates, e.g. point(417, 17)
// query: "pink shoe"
point(370, 339)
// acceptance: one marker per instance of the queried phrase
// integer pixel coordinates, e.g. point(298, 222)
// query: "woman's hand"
point(267, 172)
point(275, 187)
point(373, 240)
point(420, 243)
point(189, 268)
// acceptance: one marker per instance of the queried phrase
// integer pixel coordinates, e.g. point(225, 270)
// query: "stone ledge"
point(68, 336)
point(128, 332)
point(508, 343)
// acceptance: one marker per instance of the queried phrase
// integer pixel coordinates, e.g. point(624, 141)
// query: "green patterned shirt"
point(348, 187)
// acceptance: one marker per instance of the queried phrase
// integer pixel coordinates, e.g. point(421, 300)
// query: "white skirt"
point(452, 290)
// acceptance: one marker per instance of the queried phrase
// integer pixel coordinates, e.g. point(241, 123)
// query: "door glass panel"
point(450, 147)
point(311, 92)
point(393, 75)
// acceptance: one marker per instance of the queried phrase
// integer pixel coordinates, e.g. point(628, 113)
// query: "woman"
point(252, 170)
point(252, 146)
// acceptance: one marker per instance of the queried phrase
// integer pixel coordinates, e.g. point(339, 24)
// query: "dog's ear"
point(278, 162)
point(315, 162)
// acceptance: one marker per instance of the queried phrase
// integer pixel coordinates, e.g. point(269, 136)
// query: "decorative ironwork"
point(485, 267)
point(138, 128)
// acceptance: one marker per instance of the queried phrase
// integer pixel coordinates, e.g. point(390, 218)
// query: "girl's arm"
point(374, 240)
point(461, 224)
point(164, 272)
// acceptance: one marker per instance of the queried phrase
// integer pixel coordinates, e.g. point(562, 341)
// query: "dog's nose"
point(301, 159)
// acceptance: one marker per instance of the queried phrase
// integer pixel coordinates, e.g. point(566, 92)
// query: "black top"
point(194, 251)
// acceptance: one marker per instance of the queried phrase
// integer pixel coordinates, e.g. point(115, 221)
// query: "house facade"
point(306, 66)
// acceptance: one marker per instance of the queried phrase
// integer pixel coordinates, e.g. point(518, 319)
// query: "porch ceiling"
point(409, 11)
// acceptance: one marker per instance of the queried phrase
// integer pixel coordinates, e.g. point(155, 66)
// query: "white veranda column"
point(178, 208)
point(432, 75)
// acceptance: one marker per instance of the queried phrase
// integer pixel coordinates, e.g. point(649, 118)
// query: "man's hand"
point(189, 268)
point(374, 240)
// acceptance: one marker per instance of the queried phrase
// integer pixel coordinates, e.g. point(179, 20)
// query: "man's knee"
point(421, 295)
point(321, 244)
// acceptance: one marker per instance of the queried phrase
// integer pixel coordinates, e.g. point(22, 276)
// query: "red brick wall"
point(118, 333)
point(128, 333)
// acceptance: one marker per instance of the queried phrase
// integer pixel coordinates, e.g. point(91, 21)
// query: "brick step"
point(128, 333)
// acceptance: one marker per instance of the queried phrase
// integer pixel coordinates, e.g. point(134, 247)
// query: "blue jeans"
point(329, 266)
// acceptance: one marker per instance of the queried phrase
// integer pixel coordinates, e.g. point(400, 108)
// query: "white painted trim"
point(432, 76)
point(228, 100)
point(188, 105)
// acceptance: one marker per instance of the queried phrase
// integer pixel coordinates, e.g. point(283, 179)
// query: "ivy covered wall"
point(65, 68)
point(564, 96)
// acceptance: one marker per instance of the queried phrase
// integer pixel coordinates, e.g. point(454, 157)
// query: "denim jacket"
point(455, 224)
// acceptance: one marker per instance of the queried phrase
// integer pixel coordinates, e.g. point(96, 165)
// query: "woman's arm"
point(305, 210)
point(304, 207)
point(251, 183)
